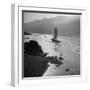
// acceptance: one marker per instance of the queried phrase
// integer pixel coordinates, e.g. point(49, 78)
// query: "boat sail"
point(55, 34)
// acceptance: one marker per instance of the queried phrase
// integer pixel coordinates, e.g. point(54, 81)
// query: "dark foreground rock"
point(32, 48)
point(36, 61)
point(34, 66)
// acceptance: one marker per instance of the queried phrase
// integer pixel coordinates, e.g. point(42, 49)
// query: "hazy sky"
point(29, 17)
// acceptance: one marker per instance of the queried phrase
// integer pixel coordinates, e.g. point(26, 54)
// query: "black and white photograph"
point(51, 43)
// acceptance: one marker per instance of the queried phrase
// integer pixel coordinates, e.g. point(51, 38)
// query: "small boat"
point(54, 39)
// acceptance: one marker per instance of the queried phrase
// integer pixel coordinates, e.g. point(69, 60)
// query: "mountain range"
point(67, 26)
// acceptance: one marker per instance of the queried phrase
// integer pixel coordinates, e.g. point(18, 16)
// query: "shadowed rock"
point(67, 69)
point(34, 66)
point(36, 61)
point(32, 48)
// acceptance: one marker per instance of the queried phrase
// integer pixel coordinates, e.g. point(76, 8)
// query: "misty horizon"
point(31, 17)
point(43, 23)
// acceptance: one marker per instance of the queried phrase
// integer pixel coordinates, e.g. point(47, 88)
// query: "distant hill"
point(27, 33)
point(65, 26)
